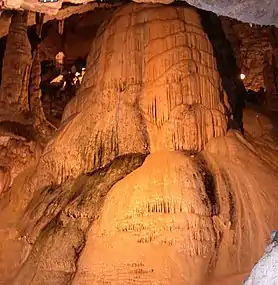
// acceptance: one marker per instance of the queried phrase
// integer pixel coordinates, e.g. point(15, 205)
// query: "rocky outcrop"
point(16, 154)
point(143, 183)
point(246, 11)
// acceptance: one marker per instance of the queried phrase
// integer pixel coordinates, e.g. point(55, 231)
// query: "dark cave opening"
point(3, 42)
point(227, 67)
point(59, 83)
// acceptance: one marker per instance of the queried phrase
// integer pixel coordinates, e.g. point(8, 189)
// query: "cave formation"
point(131, 151)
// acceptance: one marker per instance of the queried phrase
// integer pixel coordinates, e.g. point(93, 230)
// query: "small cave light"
point(242, 76)
point(59, 58)
point(57, 79)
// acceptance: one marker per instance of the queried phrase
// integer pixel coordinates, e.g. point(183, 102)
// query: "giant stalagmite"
point(143, 183)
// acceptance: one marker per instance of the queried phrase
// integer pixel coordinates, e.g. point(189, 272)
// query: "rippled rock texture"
point(142, 183)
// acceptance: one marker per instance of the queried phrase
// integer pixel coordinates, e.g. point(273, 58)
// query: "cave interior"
point(138, 145)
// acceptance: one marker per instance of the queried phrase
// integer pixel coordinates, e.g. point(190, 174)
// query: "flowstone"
point(143, 183)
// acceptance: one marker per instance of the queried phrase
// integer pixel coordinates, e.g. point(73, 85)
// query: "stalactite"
point(39, 24)
point(61, 27)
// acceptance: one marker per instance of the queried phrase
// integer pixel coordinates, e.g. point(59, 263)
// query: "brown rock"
point(4, 179)
point(17, 154)
point(175, 225)
point(251, 44)
point(165, 86)
point(16, 63)
point(197, 211)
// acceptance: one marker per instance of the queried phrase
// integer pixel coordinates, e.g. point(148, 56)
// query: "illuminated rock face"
point(142, 183)
point(160, 232)
point(151, 84)
point(183, 220)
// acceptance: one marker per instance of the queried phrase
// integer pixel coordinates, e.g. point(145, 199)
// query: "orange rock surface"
point(143, 183)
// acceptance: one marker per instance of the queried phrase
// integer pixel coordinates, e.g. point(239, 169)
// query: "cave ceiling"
point(251, 11)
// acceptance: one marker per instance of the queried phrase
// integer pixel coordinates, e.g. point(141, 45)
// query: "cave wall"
point(226, 66)
point(253, 45)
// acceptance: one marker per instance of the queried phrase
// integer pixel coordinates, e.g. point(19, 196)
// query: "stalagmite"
point(16, 63)
point(39, 24)
point(41, 125)
point(171, 108)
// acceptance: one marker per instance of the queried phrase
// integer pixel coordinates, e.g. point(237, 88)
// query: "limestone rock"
point(253, 11)
point(52, 232)
point(93, 210)
point(161, 232)
point(162, 78)
point(4, 179)
point(16, 63)
point(16, 154)
point(170, 221)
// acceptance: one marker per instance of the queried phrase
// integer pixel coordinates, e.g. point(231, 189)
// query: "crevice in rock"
point(231, 197)
point(3, 42)
point(209, 183)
